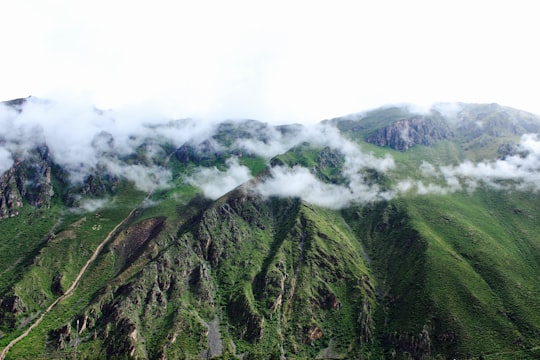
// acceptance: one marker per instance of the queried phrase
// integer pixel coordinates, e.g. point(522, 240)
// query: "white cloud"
point(91, 205)
point(215, 183)
point(427, 169)
point(6, 161)
point(78, 136)
point(520, 172)
point(522, 168)
point(300, 182)
point(145, 178)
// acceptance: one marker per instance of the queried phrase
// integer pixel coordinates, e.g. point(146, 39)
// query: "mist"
point(215, 183)
point(301, 183)
point(81, 137)
point(91, 205)
point(6, 160)
point(520, 171)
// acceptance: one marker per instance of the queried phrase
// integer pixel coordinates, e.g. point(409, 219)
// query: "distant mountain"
point(384, 234)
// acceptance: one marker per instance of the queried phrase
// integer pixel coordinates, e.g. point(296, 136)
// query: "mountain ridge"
point(315, 242)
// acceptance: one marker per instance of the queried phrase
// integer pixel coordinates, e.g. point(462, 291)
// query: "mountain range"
point(394, 233)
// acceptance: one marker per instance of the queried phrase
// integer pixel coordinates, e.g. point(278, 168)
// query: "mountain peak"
point(390, 233)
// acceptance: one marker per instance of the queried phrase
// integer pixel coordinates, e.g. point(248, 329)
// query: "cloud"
point(91, 205)
point(427, 169)
point(268, 141)
point(521, 171)
point(300, 182)
point(6, 161)
point(515, 172)
point(82, 138)
point(145, 178)
point(215, 183)
point(272, 142)
point(449, 110)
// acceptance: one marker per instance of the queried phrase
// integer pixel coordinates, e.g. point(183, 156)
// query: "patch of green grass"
point(481, 266)
point(22, 238)
point(255, 164)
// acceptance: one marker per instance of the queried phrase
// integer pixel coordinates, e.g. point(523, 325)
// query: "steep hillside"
point(387, 234)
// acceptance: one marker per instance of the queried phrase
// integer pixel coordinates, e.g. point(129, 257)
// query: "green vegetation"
point(415, 276)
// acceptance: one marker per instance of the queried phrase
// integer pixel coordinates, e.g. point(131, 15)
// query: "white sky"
point(276, 61)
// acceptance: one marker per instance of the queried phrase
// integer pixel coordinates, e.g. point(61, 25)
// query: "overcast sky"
point(276, 61)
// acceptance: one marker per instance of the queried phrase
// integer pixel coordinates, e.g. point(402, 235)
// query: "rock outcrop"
point(10, 307)
point(27, 181)
point(418, 130)
point(204, 153)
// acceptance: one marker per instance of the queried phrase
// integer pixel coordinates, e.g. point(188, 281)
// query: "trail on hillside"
point(71, 289)
point(83, 270)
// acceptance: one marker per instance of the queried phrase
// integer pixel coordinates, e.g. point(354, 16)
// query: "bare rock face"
point(10, 307)
point(205, 152)
point(405, 133)
point(419, 346)
point(10, 196)
point(60, 338)
point(28, 180)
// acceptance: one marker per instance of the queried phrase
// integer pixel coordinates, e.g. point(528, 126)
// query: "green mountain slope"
point(388, 234)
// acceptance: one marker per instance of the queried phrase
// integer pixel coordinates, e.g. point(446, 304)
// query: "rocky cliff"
point(417, 130)
point(28, 181)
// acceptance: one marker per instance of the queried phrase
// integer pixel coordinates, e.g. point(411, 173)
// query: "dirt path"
point(77, 280)
point(70, 290)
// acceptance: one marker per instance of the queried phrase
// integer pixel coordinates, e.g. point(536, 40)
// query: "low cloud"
point(274, 142)
point(6, 160)
point(516, 172)
point(520, 171)
point(420, 187)
point(145, 178)
point(215, 183)
point(91, 205)
point(300, 182)
point(82, 138)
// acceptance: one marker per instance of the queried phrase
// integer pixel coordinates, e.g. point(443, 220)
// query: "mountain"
point(385, 234)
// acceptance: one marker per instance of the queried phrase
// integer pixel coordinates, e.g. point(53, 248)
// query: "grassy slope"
point(483, 260)
point(22, 237)
point(77, 236)
point(465, 265)
point(475, 282)
point(64, 256)
point(302, 255)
